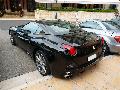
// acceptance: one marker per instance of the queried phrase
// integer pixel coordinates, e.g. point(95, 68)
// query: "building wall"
point(106, 6)
point(26, 4)
point(118, 7)
point(72, 16)
point(73, 5)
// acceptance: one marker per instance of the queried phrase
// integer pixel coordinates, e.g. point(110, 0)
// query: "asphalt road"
point(13, 60)
point(5, 24)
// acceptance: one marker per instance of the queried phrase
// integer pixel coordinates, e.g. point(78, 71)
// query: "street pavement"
point(103, 76)
point(5, 24)
point(13, 60)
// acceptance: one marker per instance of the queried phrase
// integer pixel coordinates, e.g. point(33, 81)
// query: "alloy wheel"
point(40, 63)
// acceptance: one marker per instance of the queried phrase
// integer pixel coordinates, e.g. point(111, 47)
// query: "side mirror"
point(81, 26)
point(26, 32)
point(42, 32)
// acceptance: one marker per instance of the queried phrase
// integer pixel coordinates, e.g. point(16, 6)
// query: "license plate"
point(92, 57)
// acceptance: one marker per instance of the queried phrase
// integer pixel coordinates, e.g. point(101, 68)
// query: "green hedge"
point(78, 9)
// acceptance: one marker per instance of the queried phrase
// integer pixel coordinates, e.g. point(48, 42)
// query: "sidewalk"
point(22, 81)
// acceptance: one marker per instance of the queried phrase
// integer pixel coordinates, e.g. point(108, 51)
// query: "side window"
point(88, 24)
point(99, 27)
point(84, 25)
point(92, 25)
point(39, 30)
point(32, 26)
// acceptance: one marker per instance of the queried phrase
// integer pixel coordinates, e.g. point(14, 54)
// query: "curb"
point(23, 81)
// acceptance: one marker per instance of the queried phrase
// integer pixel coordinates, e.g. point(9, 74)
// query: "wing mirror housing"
point(42, 32)
point(26, 32)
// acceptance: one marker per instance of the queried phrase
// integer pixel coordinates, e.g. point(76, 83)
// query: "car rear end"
point(76, 60)
point(113, 36)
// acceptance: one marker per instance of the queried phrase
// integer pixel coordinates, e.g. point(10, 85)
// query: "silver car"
point(110, 33)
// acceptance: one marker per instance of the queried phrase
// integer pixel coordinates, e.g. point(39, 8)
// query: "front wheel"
point(42, 63)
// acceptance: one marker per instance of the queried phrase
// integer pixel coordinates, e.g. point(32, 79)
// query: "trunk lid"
point(85, 43)
point(81, 38)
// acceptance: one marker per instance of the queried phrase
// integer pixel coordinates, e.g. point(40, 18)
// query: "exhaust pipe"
point(68, 75)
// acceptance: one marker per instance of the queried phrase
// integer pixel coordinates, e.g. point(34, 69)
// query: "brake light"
point(71, 50)
point(117, 38)
point(102, 41)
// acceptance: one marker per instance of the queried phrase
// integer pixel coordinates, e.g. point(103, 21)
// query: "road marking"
point(22, 81)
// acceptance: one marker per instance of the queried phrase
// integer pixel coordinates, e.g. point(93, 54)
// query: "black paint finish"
point(51, 43)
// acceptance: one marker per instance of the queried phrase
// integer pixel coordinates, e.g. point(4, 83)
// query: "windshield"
point(117, 21)
point(109, 26)
point(59, 28)
point(114, 24)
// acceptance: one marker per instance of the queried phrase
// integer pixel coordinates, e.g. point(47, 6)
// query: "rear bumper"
point(114, 48)
point(85, 66)
point(61, 65)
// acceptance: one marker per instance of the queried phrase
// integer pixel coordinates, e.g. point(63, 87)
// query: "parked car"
point(114, 24)
point(57, 47)
point(116, 21)
point(110, 33)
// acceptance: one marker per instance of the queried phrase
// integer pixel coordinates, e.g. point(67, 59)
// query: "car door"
point(92, 26)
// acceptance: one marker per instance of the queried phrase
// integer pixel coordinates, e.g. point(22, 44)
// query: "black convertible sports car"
point(57, 47)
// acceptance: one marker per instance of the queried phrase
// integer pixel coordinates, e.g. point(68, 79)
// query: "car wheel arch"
point(41, 52)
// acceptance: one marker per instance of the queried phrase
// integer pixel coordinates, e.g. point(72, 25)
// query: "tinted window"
point(40, 28)
point(60, 30)
point(32, 26)
point(109, 26)
point(91, 24)
point(117, 21)
point(114, 24)
point(60, 27)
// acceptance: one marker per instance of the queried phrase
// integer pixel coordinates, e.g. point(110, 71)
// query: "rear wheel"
point(12, 39)
point(42, 63)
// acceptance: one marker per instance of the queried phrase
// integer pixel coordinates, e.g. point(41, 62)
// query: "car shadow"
point(111, 53)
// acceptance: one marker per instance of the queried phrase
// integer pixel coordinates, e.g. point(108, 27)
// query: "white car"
point(110, 33)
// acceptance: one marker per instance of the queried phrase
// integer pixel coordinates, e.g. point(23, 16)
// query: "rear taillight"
point(102, 41)
point(70, 50)
point(117, 38)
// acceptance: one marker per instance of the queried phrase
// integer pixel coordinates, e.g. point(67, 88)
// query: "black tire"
point(42, 63)
point(106, 49)
point(12, 39)
point(1, 13)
